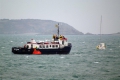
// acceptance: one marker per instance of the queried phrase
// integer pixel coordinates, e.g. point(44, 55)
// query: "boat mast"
point(100, 27)
point(58, 29)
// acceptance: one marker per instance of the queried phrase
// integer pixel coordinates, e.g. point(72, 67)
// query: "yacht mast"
point(100, 27)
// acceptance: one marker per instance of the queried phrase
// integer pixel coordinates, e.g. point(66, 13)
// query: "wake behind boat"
point(58, 45)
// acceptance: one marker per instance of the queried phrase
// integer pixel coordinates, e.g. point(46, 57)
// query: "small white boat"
point(101, 45)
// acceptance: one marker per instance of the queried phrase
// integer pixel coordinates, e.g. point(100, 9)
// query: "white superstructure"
point(47, 44)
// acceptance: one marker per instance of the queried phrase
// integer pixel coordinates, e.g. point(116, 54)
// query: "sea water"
point(84, 62)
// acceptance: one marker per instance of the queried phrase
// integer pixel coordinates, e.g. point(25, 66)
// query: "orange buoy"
point(37, 52)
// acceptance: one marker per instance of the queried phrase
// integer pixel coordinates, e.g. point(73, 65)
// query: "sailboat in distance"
point(101, 45)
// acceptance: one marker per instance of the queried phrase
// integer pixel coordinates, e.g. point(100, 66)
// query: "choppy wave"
point(84, 62)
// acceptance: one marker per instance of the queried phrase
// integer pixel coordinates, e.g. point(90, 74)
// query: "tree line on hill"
point(43, 27)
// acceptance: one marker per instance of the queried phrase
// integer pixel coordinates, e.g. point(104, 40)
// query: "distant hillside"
point(43, 27)
point(89, 33)
point(117, 33)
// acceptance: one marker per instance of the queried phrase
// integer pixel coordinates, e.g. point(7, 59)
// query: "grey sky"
point(84, 15)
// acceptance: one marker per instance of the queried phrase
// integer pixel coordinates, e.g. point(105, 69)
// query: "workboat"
point(58, 45)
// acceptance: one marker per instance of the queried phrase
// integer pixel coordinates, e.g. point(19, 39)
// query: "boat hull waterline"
point(22, 50)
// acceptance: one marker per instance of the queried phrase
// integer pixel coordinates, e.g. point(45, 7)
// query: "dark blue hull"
point(19, 50)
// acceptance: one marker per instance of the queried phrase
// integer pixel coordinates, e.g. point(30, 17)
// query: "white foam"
point(27, 56)
point(3, 47)
point(68, 64)
point(11, 41)
point(96, 62)
point(83, 42)
point(110, 49)
point(62, 57)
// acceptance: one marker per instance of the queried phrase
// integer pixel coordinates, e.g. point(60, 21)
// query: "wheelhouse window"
point(56, 46)
point(46, 46)
point(43, 46)
point(53, 46)
point(40, 46)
